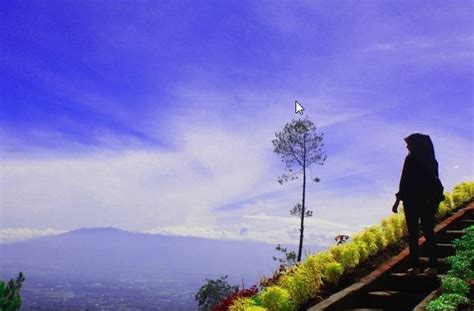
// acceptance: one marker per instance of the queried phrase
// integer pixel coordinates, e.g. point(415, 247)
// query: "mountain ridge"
point(109, 252)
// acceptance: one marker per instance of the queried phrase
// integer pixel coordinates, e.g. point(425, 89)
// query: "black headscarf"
point(421, 147)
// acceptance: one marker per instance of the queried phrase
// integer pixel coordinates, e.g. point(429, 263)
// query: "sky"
point(158, 116)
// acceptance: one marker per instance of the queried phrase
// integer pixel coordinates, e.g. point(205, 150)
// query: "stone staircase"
point(390, 288)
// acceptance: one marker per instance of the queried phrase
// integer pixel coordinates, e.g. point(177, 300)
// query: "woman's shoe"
point(430, 271)
point(413, 271)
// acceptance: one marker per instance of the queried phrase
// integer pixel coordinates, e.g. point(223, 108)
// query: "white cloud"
point(21, 234)
point(135, 189)
point(264, 228)
point(429, 49)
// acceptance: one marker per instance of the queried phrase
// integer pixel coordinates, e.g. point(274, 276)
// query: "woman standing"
point(419, 171)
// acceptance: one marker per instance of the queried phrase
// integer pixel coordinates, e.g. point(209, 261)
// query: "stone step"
point(462, 224)
point(450, 235)
point(400, 300)
point(442, 249)
point(398, 281)
point(443, 264)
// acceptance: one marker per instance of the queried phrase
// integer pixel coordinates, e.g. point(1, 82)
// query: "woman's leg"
point(411, 218)
point(427, 224)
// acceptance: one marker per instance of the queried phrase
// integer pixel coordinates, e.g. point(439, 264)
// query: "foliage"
point(460, 266)
point(466, 242)
point(462, 261)
point(399, 224)
point(462, 193)
point(299, 146)
point(444, 209)
point(290, 256)
point(277, 275)
point(363, 250)
point(275, 298)
point(380, 239)
point(10, 293)
point(454, 285)
point(245, 304)
point(327, 266)
point(388, 231)
point(334, 272)
point(448, 200)
point(297, 210)
point(313, 270)
point(211, 293)
point(393, 228)
point(297, 285)
point(447, 302)
point(239, 295)
point(347, 255)
point(368, 238)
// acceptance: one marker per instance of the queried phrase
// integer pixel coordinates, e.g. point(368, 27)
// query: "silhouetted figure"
point(419, 171)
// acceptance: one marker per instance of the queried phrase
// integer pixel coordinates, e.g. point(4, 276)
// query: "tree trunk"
point(300, 248)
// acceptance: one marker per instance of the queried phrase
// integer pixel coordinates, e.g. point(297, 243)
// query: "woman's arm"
point(404, 179)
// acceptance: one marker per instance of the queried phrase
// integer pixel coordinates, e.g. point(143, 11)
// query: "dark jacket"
point(415, 180)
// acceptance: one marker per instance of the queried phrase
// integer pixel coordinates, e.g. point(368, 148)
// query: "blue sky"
point(158, 116)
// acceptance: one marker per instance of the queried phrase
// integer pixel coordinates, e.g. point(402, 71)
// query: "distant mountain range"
point(109, 254)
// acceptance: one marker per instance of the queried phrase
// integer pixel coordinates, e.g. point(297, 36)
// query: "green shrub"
point(380, 240)
point(275, 298)
point(466, 189)
point(213, 291)
point(448, 201)
point(465, 243)
point(326, 263)
point(313, 269)
point(363, 250)
point(245, 304)
point(443, 209)
point(297, 286)
point(398, 221)
point(447, 302)
point(388, 231)
point(346, 254)
point(460, 266)
point(369, 239)
point(461, 194)
point(463, 260)
point(322, 259)
point(334, 272)
point(10, 299)
point(350, 256)
point(440, 305)
point(454, 285)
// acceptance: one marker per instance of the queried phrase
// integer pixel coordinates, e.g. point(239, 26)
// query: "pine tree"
point(299, 146)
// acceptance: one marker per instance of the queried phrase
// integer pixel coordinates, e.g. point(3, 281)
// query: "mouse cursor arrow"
point(298, 108)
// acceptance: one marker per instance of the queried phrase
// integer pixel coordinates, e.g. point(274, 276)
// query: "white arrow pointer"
point(298, 108)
